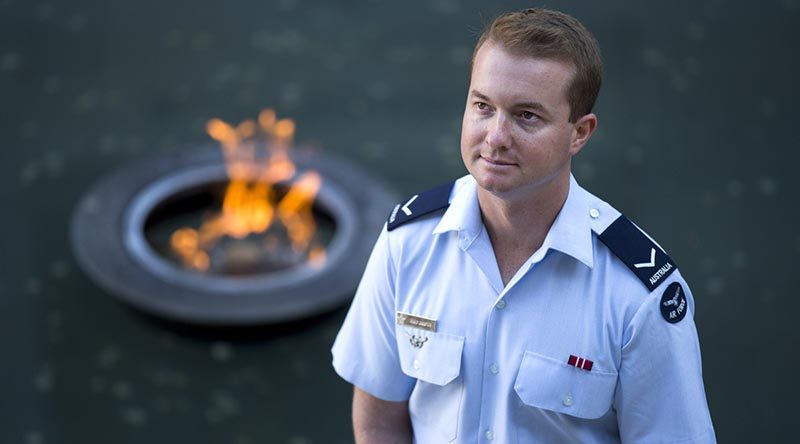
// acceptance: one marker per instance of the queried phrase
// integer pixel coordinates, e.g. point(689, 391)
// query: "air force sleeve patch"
point(420, 205)
point(638, 252)
point(673, 303)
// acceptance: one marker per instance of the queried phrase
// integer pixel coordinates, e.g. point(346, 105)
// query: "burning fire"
point(251, 205)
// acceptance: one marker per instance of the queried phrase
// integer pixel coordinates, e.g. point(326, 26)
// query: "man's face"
point(516, 137)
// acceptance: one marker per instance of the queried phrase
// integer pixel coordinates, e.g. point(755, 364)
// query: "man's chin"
point(495, 185)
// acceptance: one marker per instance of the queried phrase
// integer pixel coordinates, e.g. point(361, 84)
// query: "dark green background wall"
point(697, 143)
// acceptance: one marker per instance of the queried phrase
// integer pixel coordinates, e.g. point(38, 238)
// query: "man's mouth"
point(497, 162)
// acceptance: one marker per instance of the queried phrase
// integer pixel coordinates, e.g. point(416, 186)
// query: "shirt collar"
point(571, 232)
point(463, 214)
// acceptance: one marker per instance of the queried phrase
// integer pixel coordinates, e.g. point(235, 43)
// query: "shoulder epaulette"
point(420, 205)
point(638, 252)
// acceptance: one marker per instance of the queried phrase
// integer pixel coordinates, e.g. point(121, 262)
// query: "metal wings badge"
point(418, 323)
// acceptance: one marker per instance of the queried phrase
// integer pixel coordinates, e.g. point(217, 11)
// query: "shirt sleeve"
point(365, 351)
point(660, 396)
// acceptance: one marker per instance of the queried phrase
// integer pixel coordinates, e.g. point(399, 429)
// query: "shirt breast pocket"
point(434, 359)
point(550, 384)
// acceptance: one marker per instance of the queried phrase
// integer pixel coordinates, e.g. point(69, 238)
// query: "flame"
point(250, 205)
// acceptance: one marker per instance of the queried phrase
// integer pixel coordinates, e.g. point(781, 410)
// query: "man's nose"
point(498, 134)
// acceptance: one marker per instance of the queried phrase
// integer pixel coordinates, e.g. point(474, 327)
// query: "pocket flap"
point(550, 384)
point(437, 360)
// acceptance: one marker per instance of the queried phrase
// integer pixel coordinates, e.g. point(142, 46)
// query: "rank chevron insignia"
point(631, 245)
point(420, 205)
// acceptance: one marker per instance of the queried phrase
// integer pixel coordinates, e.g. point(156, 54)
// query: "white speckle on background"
point(288, 5)
point(739, 260)
point(715, 285)
point(30, 173)
point(113, 99)
point(459, 55)
point(53, 163)
point(767, 107)
point(29, 130)
point(44, 12)
point(767, 296)
point(122, 390)
point(735, 188)
point(43, 379)
point(653, 57)
point(51, 84)
point(134, 416)
point(162, 404)
point(374, 149)
point(174, 39)
point(695, 31)
point(287, 41)
point(678, 81)
point(634, 155)
point(76, 23)
point(202, 40)
point(59, 269)
point(406, 54)
point(333, 61)
point(221, 351)
point(97, 384)
point(108, 357)
point(107, 144)
point(182, 93)
point(34, 437)
point(32, 286)
point(291, 95)
point(379, 90)
point(10, 61)
point(446, 6)
point(709, 198)
point(85, 101)
point(768, 186)
point(585, 171)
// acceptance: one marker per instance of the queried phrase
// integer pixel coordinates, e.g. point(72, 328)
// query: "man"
point(512, 305)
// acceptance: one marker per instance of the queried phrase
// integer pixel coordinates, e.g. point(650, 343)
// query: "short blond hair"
point(553, 35)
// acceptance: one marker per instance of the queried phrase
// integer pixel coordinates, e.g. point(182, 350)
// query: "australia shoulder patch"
point(638, 252)
point(420, 205)
point(673, 303)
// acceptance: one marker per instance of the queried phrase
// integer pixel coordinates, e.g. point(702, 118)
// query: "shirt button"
point(594, 213)
point(568, 400)
point(489, 435)
point(416, 365)
point(494, 369)
point(501, 304)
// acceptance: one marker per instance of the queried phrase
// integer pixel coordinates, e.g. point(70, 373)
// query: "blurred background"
point(695, 144)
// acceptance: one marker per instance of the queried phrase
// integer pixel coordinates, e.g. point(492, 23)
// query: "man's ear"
point(583, 130)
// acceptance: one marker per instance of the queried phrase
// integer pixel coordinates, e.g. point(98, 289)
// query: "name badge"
point(419, 322)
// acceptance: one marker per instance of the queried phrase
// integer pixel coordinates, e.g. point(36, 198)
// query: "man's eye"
point(527, 115)
point(482, 106)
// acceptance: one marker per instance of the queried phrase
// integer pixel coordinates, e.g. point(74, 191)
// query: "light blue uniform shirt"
point(496, 368)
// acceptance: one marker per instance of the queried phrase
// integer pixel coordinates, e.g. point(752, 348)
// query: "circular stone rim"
point(103, 250)
point(331, 199)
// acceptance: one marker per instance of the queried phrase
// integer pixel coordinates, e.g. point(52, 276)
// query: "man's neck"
point(518, 224)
